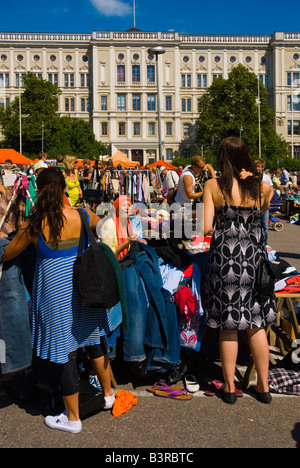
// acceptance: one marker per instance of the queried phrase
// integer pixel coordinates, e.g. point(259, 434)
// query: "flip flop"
point(174, 394)
point(164, 386)
point(216, 386)
point(213, 388)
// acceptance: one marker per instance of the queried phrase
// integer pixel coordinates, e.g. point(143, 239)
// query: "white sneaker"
point(62, 423)
point(109, 402)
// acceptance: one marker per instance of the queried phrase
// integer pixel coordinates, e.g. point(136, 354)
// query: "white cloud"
point(112, 7)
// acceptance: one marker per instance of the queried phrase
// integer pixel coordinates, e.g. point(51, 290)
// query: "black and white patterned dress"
point(230, 301)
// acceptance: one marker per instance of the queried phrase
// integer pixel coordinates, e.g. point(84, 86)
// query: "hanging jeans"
point(15, 335)
point(148, 320)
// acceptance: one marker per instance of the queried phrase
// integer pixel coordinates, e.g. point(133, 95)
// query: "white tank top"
point(181, 197)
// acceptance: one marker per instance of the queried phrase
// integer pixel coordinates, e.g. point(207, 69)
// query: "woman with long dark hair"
point(236, 203)
point(60, 322)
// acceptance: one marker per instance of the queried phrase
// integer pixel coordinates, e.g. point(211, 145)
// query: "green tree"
point(38, 105)
point(75, 136)
point(230, 107)
point(62, 135)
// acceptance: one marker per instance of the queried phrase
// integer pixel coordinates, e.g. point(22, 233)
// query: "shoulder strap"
point(85, 229)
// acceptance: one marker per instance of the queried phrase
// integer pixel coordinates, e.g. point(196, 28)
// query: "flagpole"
point(134, 13)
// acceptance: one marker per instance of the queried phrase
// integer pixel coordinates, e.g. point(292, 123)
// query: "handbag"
point(95, 272)
point(264, 279)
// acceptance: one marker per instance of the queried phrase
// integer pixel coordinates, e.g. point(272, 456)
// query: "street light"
point(20, 112)
point(241, 130)
point(43, 126)
point(158, 50)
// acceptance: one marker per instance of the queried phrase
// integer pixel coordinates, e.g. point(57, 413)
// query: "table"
point(283, 333)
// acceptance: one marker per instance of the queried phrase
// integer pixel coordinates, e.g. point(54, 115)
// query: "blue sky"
point(192, 17)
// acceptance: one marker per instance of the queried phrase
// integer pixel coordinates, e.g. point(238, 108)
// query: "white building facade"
point(110, 79)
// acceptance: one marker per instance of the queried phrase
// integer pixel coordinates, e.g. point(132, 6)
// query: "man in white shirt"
point(170, 182)
point(41, 164)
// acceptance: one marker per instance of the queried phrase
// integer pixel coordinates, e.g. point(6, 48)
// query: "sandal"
point(174, 394)
point(216, 387)
point(163, 386)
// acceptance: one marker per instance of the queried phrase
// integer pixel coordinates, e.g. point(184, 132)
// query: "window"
point(217, 75)
point(136, 57)
point(85, 105)
point(84, 80)
point(18, 79)
point(121, 128)
point(151, 102)
point(104, 128)
point(186, 81)
point(186, 59)
point(69, 58)
point(20, 58)
point(296, 151)
point(69, 104)
point(169, 128)
point(217, 59)
point(186, 130)
point(135, 73)
point(136, 128)
point(168, 103)
point(121, 102)
point(295, 100)
point(36, 58)
point(169, 154)
point(296, 127)
point(121, 57)
point(264, 79)
point(136, 102)
point(293, 79)
point(52, 58)
point(53, 78)
point(85, 58)
point(4, 80)
point(150, 73)
point(4, 102)
point(3, 57)
point(186, 105)
point(120, 73)
point(151, 129)
point(69, 80)
point(104, 103)
point(201, 81)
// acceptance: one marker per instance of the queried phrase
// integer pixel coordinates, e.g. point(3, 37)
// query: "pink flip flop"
point(163, 386)
point(174, 394)
point(216, 386)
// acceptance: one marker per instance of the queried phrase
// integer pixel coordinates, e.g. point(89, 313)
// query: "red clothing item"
point(186, 302)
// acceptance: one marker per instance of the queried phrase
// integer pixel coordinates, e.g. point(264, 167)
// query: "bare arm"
point(211, 171)
point(209, 207)
point(18, 244)
point(189, 189)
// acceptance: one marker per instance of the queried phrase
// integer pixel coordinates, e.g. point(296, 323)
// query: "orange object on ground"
point(123, 402)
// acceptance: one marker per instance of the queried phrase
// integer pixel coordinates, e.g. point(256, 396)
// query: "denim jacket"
point(15, 335)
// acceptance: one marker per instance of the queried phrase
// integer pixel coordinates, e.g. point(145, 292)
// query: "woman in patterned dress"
point(60, 322)
point(236, 203)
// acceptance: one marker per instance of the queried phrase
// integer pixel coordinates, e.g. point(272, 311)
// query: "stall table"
point(283, 333)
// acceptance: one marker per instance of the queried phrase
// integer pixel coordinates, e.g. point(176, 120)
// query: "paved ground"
point(158, 423)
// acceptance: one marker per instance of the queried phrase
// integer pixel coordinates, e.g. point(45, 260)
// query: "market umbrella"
point(14, 156)
point(120, 158)
point(165, 164)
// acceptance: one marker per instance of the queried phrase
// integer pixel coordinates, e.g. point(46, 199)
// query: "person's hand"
point(3, 235)
point(244, 174)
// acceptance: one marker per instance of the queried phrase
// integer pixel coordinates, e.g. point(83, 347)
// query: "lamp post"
point(158, 50)
point(241, 130)
point(43, 126)
point(20, 112)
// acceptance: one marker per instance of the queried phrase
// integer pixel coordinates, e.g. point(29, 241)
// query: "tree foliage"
point(61, 135)
point(230, 107)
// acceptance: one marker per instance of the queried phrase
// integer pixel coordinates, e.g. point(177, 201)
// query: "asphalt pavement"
point(160, 424)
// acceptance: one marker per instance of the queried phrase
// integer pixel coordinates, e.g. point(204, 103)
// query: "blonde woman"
point(71, 175)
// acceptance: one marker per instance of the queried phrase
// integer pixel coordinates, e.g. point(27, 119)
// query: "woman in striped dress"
point(60, 322)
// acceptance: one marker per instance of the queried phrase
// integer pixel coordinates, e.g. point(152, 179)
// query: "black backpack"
point(95, 271)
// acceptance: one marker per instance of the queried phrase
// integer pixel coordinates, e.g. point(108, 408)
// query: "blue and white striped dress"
point(60, 322)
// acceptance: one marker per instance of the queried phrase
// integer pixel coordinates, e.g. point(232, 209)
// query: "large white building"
point(110, 79)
